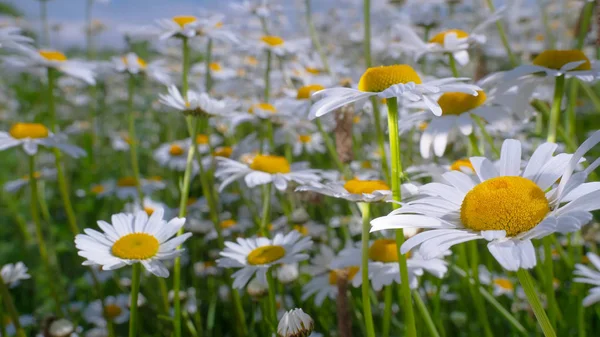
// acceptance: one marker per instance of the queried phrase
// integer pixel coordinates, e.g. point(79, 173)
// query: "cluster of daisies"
point(309, 177)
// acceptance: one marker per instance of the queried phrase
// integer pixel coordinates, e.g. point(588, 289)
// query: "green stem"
point(10, 307)
point(474, 144)
point(266, 209)
point(396, 178)
point(555, 110)
point(452, 64)
point(528, 286)
point(365, 209)
point(14, 209)
point(133, 141)
point(314, 38)
point(481, 312)
point(387, 310)
point(549, 277)
point(503, 37)
point(587, 11)
point(272, 301)
point(267, 77)
point(571, 117)
point(549, 34)
point(425, 314)
point(591, 94)
point(208, 78)
point(133, 305)
point(486, 135)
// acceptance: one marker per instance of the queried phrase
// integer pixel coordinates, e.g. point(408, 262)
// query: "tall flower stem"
point(133, 140)
point(503, 38)
point(33, 205)
point(528, 286)
point(136, 274)
point(452, 65)
point(425, 315)
point(559, 88)
point(266, 204)
point(208, 76)
point(192, 124)
point(314, 38)
point(272, 301)
point(60, 174)
point(10, 307)
point(387, 310)
point(365, 209)
point(587, 13)
point(368, 63)
point(268, 77)
point(396, 178)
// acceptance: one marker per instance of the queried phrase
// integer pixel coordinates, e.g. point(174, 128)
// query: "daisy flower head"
point(273, 43)
point(16, 185)
point(32, 135)
point(453, 41)
point(132, 64)
point(46, 58)
point(133, 238)
point(148, 205)
point(295, 323)
point(399, 80)
point(264, 169)
point(180, 26)
point(114, 309)
point(195, 104)
point(13, 273)
point(174, 156)
point(587, 275)
point(10, 37)
point(555, 63)
point(354, 190)
point(254, 256)
point(458, 211)
point(310, 143)
point(126, 187)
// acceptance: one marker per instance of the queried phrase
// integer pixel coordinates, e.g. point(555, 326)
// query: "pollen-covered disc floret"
point(270, 164)
point(183, 20)
point(456, 103)
point(439, 37)
point(378, 79)
point(272, 40)
point(307, 90)
point(52, 55)
point(28, 130)
point(556, 59)
point(357, 186)
point(349, 271)
point(384, 250)
point(512, 203)
point(462, 165)
point(266, 255)
point(136, 246)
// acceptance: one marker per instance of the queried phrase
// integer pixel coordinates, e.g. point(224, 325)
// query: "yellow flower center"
point(356, 119)
point(456, 103)
point(503, 283)
point(312, 70)
point(462, 163)
point(555, 59)
point(215, 66)
point(265, 255)
point(307, 90)
point(28, 130)
point(183, 20)
point(127, 182)
point(228, 223)
point(262, 106)
point(136, 246)
point(149, 210)
point(202, 139)
point(356, 186)
point(378, 79)
point(112, 311)
point(175, 150)
point(384, 250)
point(540, 37)
point(301, 229)
point(365, 164)
point(36, 175)
point(97, 189)
point(224, 151)
point(270, 164)
point(514, 204)
point(156, 178)
point(251, 60)
point(350, 272)
point(53, 55)
point(439, 37)
point(304, 138)
point(272, 40)
point(141, 63)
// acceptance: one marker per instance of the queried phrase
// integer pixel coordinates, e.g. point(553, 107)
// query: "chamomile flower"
point(126, 187)
point(264, 169)
point(384, 268)
point(295, 323)
point(591, 276)
point(274, 44)
point(178, 26)
point(217, 70)
point(114, 309)
point(454, 41)
point(134, 65)
point(16, 185)
point(502, 285)
point(459, 211)
point(12, 274)
point(256, 255)
point(133, 239)
point(10, 37)
point(149, 206)
point(43, 59)
point(32, 135)
point(555, 63)
point(174, 156)
point(309, 143)
point(194, 104)
point(399, 80)
point(352, 190)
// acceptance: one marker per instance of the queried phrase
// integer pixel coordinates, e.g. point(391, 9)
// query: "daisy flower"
point(13, 273)
point(264, 169)
point(256, 255)
point(274, 44)
point(194, 104)
point(309, 143)
point(132, 239)
point(10, 37)
point(453, 41)
point(174, 156)
point(502, 285)
point(458, 211)
point(354, 190)
point(206, 143)
point(134, 65)
point(149, 206)
point(555, 63)
point(32, 135)
point(295, 323)
point(178, 26)
point(16, 185)
point(115, 309)
point(43, 59)
point(398, 80)
point(384, 268)
point(591, 276)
